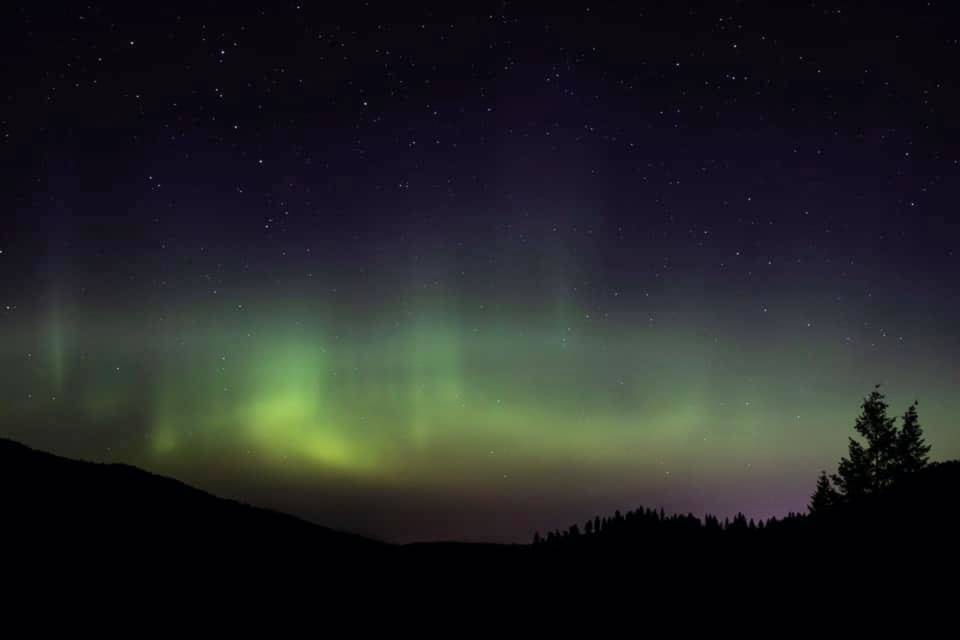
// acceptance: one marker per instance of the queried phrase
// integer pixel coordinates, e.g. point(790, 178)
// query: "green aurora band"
point(434, 396)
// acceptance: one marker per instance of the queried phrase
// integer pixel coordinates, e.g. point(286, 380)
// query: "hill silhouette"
point(67, 511)
point(76, 510)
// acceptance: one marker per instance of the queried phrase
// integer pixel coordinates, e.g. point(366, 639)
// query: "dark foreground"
point(64, 517)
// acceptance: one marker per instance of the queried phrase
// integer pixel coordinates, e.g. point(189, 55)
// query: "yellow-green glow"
point(163, 439)
point(56, 346)
point(435, 400)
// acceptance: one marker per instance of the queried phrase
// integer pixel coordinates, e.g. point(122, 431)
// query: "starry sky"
point(465, 271)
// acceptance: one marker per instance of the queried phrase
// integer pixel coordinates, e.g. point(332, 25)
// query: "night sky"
point(427, 275)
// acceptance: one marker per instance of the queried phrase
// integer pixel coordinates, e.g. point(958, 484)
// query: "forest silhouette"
point(885, 501)
point(880, 463)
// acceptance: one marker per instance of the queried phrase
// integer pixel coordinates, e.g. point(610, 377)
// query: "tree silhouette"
point(825, 497)
point(911, 449)
point(872, 468)
point(889, 453)
point(853, 475)
point(878, 456)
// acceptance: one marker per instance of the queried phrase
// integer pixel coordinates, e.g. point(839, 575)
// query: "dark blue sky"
point(771, 189)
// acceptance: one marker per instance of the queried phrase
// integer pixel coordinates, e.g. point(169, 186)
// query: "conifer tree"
point(911, 450)
point(853, 476)
point(825, 497)
point(872, 468)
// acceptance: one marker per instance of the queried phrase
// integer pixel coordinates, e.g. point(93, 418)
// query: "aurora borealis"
point(361, 268)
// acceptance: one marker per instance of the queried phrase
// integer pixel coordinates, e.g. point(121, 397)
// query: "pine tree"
point(912, 449)
point(825, 497)
point(871, 468)
point(881, 436)
point(853, 476)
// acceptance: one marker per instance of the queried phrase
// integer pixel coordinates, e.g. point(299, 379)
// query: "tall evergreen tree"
point(871, 468)
point(881, 436)
point(912, 450)
point(853, 475)
point(825, 497)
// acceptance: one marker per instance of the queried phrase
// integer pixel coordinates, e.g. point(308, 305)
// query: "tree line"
point(878, 458)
